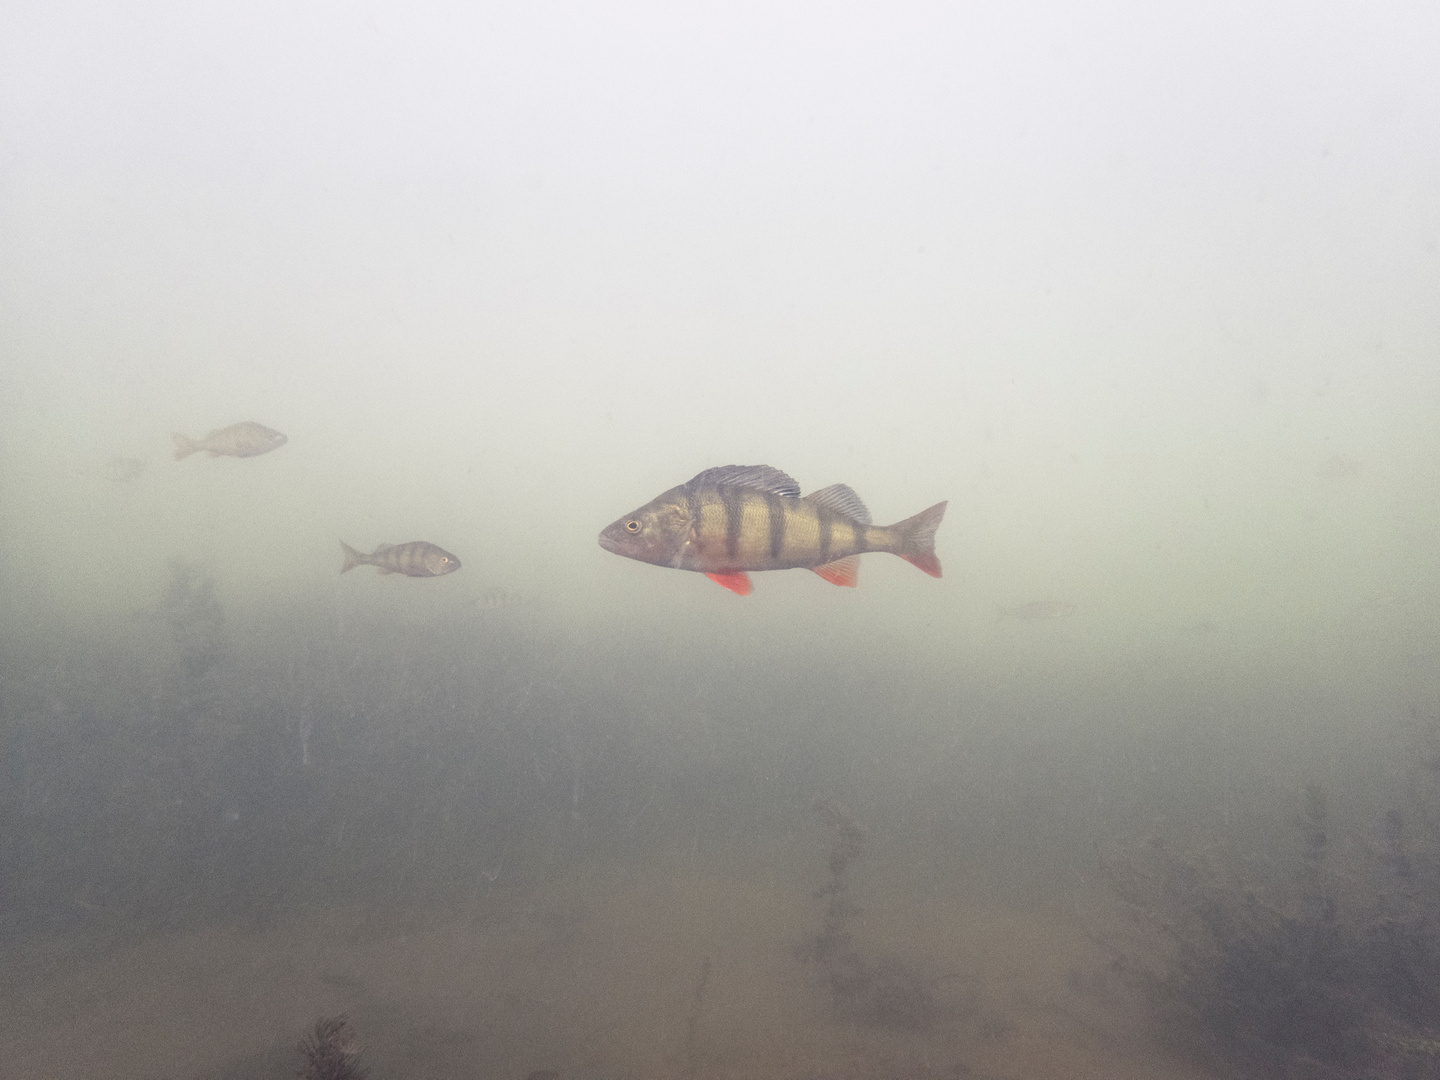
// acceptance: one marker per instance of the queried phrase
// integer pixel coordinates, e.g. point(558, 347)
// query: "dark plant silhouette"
point(195, 618)
point(889, 993)
point(1334, 969)
point(330, 1052)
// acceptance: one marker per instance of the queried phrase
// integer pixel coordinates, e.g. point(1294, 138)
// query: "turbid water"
point(677, 967)
point(1147, 784)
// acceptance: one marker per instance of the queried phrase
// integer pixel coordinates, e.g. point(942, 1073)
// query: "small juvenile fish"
point(1339, 467)
point(418, 558)
point(1039, 609)
point(737, 518)
point(245, 439)
point(495, 599)
point(123, 469)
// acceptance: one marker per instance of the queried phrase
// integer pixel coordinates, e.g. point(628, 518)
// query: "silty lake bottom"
point(500, 840)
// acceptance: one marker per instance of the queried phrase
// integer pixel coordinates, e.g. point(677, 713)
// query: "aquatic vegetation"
point(1331, 966)
point(692, 1023)
point(196, 620)
point(331, 1052)
point(887, 993)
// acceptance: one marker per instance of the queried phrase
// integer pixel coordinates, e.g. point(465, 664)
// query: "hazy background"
point(1150, 293)
point(1115, 282)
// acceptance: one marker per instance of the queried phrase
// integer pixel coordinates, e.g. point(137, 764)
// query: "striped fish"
point(738, 518)
point(418, 558)
point(245, 439)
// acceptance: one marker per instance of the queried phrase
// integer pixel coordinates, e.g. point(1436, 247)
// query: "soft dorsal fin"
point(842, 499)
point(759, 477)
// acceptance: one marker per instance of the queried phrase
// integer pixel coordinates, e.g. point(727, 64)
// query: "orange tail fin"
point(917, 538)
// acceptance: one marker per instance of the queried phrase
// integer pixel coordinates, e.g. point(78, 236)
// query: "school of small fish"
point(725, 523)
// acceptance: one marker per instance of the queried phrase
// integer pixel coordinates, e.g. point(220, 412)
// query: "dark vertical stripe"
point(731, 497)
point(777, 525)
point(691, 544)
point(823, 520)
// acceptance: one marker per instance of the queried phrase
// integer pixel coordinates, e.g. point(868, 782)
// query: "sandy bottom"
point(674, 968)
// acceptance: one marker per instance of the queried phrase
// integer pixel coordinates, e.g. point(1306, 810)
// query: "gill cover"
point(655, 533)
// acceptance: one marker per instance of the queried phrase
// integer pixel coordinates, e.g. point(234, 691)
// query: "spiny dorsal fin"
point(843, 500)
point(759, 477)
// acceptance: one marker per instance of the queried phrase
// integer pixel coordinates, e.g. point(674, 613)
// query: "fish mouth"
point(610, 543)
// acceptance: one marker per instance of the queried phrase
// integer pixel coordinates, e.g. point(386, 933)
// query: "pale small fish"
point(495, 599)
point(418, 558)
point(738, 518)
point(245, 439)
point(123, 469)
point(1339, 467)
point(1035, 611)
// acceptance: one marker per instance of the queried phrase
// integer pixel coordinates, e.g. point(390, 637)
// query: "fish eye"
point(632, 526)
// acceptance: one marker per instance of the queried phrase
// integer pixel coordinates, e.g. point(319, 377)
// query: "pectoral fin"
point(737, 581)
point(841, 572)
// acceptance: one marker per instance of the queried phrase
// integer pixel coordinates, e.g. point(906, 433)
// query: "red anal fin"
point(737, 581)
point(926, 561)
point(844, 571)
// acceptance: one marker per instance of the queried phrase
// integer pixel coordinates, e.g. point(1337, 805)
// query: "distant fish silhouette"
point(418, 558)
point(123, 469)
point(245, 439)
point(1034, 611)
point(1338, 467)
point(494, 599)
point(1200, 626)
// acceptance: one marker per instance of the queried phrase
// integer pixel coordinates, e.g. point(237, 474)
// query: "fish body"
point(123, 469)
point(1035, 611)
point(418, 558)
point(245, 439)
point(1339, 467)
point(738, 518)
point(494, 599)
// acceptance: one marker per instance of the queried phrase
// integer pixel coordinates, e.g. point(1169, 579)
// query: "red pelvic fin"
point(737, 581)
point(841, 572)
point(926, 561)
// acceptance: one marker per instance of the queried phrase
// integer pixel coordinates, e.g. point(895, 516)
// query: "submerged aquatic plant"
point(1333, 969)
point(195, 617)
point(331, 1052)
point(887, 994)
